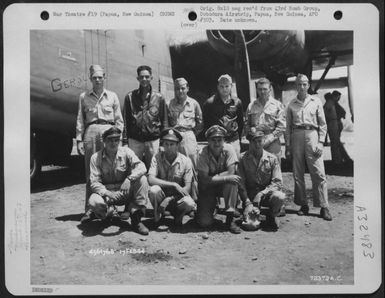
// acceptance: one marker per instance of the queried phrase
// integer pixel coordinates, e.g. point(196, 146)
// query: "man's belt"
point(101, 122)
point(305, 127)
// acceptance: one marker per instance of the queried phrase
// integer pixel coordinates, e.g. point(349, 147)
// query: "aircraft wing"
point(322, 45)
point(277, 54)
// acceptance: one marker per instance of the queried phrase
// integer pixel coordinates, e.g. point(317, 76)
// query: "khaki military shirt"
point(270, 118)
point(187, 116)
point(208, 164)
point(309, 113)
point(262, 176)
point(105, 172)
point(179, 171)
point(92, 108)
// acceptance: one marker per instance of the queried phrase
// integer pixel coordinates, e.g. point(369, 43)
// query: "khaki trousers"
point(207, 201)
point(274, 200)
point(180, 206)
point(144, 150)
point(304, 143)
point(189, 146)
point(237, 147)
point(136, 199)
point(275, 148)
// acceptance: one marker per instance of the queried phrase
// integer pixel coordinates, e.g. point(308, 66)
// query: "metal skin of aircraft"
point(277, 54)
point(60, 60)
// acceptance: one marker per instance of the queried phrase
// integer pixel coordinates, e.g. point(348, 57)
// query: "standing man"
point(332, 127)
point(118, 178)
point(145, 116)
point(217, 163)
point(341, 113)
point(99, 110)
point(261, 179)
point(267, 114)
point(185, 115)
point(227, 111)
point(170, 176)
point(305, 134)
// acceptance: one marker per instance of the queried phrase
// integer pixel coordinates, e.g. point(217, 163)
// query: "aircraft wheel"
point(35, 160)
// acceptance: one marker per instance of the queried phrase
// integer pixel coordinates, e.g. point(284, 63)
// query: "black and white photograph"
point(228, 151)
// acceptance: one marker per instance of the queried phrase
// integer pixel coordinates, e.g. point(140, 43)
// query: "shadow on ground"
point(166, 224)
point(72, 173)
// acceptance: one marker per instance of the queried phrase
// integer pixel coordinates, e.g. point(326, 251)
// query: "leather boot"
point(272, 222)
point(125, 214)
point(178, 218)
point(282, 211)
point(88, 216)
point(136, 223)
point(325, 214)
point(231, 225)
point(304, 210)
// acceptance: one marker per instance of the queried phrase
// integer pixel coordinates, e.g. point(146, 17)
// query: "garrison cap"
point(216, 131)
point(225, 79)
point(170, 134)
point(254, 133)
point(301, 78)
point(96, 69)
point(180, 81)
point(112, 132)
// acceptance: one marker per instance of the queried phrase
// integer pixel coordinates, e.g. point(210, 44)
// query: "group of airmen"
point(147, 155)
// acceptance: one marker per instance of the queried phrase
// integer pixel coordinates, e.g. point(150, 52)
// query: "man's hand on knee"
point(80, 147)
point(125, 187)
point(111, 197)
point(234, 179)
point(258, 197)
point(180, 190)
point(288, 154)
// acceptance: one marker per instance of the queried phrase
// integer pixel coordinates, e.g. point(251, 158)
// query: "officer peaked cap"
point(254, 133)
point(112, 132)
point(170, 134)
point(216, 131)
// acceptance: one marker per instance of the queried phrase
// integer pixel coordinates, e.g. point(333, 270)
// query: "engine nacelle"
point(280, 51)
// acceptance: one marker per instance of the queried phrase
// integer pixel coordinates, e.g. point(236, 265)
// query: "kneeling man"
point(261, 179)
point(118, 178)
point(216, 168)
point(170, 176)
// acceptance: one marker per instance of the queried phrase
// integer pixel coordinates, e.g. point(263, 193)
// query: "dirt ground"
point(305, 250)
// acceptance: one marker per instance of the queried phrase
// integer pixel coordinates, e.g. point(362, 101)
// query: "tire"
point(48, 148)
point(35, 159)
